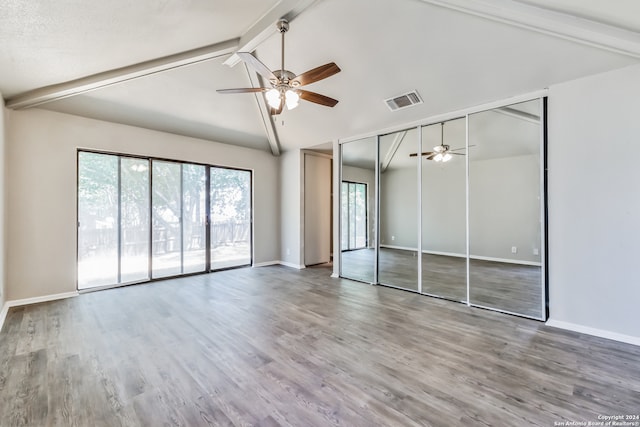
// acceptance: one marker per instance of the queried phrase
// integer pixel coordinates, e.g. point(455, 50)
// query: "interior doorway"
point(317, 209)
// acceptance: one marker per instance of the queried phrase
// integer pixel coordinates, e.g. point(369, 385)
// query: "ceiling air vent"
point(403, 101)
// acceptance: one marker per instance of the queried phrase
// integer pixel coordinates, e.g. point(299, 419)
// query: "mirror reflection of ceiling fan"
point(441, 153)
point(285, 85)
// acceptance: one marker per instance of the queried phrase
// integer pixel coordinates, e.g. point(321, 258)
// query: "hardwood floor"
point(275, 346)
point(508, 287)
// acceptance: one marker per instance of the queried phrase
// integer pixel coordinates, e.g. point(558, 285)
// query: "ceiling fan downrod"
point(283, 27)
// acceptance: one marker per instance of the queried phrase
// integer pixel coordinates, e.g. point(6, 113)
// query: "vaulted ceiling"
point(157, 64)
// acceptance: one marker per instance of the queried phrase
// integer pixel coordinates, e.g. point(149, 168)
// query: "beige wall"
point(291, 171)
point(594, 204)
point(41, 194)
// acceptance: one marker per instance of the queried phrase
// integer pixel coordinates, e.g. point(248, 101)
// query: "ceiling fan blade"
point(243, 90)
point(431, 157)
point(317, 98)
point(317, 74)
point(258, 66)
point(462, 148)
point(457, 154)
point(424, 153)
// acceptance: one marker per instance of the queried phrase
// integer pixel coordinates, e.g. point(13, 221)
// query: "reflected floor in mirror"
point(398, 268)
point(358, 264)
point(509, 287)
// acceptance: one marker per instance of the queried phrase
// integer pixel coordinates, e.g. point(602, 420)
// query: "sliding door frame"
point(366, 200)
point(208, 204)
point(541, 96)
point(207, 217)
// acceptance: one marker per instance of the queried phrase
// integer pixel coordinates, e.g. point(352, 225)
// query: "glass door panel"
point(444, 210)
point(361, 216)
point(505, 220)
point(97, 219)
point(166, 218)
point(398, 177)
point(194, 212)
point(357, 215)
point(134, 219)
point(344, 216)
point(230, 217)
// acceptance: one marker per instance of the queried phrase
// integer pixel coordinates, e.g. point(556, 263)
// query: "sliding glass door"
point(355, 217)
point(194, 214)
point(134, 219)
point(166, 217)
point(230, 195)
point(142, 219)
point(98, 213)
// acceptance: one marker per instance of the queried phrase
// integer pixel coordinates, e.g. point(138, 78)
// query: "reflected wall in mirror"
point(505, 235)
point(444, 212)
point(398, 256)
point(357, 210)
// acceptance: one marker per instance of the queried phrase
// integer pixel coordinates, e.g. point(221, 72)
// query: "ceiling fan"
point(441, 153)
point(285, 84)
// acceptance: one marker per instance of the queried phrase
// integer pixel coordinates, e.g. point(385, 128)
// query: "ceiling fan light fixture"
point(273, 98)
point(446, 157)
point(284, 84)
point(291, 98)
point(438, 157)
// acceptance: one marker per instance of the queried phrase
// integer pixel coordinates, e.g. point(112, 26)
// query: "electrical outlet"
point(288, 251)
point(393, 238)
point(514, 249)
point(536, 251)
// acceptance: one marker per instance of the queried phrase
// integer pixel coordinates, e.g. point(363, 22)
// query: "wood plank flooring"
point(275, 346)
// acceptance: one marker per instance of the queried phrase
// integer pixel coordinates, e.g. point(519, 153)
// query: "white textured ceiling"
point(454, 59)
point(44, 42)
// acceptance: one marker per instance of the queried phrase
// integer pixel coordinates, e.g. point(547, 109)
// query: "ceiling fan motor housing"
point(285, 78)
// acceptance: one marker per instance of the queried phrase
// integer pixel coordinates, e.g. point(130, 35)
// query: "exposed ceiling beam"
point(265, 114)
point(265, 26)
point(397, 140)
point(550, 22)
point(85, 84)
point(512, 112)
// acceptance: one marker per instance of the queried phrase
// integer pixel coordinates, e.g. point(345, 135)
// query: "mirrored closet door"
point(444, 219)
point(398, 169)
point(461, 209)
point(357, 210)
point(505, 211)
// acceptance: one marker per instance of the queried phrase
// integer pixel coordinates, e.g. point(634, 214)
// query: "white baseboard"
point(34, 300)
point(451, 254)
point(292, 265)
point(402, 248)
point(286, 264)
point(266, 264)
point(335, 276)
point(506, 260)
point(629, 339)
point(478, 257)
point(44, 298)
